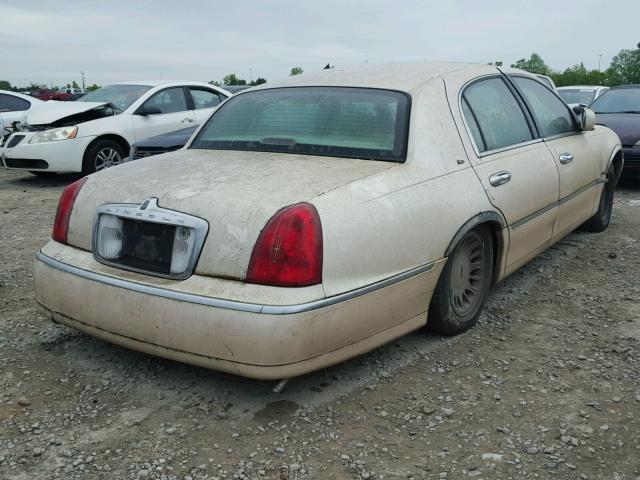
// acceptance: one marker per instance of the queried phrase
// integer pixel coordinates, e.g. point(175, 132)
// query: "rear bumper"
point(62, 156)
point(248, 339)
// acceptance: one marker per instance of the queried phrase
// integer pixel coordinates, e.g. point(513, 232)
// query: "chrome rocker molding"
point(231, 304)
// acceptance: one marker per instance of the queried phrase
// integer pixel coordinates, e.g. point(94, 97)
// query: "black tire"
point(102, 154)
point(42, 173)
point(600, 221)
point(463, 285)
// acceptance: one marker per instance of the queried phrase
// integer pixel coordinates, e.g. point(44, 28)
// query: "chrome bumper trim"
point(230, 304)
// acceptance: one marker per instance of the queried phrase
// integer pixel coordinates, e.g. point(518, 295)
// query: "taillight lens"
point(288, 252)
point(65, 206)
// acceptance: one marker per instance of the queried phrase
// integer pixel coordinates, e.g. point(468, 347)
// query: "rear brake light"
point(288, 252)
point(65, 207)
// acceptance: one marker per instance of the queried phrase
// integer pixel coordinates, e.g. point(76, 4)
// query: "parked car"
point(547, 80)
point(313, 220)
point(167, 142)
point(45, 94)
point(96, 131)
point(13, 108)
point(619, 109)
point(235, 88)
point(580, 94)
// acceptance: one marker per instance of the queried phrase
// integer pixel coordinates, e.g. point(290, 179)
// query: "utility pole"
point(250, 75)
point(599, 62)
point(82, 73)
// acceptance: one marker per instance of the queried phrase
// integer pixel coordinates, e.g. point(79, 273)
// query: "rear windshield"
point(577, 95)
point(330, 121)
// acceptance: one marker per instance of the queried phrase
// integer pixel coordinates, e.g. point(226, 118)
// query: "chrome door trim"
point(231, 304)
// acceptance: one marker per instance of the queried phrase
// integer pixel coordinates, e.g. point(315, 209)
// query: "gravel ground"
point(545, 387)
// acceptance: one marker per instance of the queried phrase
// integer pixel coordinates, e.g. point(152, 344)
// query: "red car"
point(46, 94)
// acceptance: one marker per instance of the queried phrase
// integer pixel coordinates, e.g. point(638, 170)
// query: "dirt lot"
point(546, 386)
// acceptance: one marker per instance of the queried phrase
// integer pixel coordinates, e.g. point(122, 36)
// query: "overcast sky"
point(114, 40)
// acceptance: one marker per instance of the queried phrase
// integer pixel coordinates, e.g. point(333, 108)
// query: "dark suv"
point(619, 109)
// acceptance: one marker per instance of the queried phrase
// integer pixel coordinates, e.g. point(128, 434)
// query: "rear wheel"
point(600, 221)
point(463, 285)
point(102, 154)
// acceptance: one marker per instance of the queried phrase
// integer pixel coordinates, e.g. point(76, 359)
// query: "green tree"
point(74, 84)
point(625, 67)
point(232, 79)
point(579, 75)
point(5, 85)
point(215, 83)
point(535, 64)
point(93, 87)
point(258, 81)
point(296, 71)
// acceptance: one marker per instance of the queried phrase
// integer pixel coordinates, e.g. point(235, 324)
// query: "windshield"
point(577, 95)
point(329, 121)
point(121, 96)
point(619, 100)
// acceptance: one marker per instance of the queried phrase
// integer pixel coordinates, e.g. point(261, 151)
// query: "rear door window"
point(204, 98)
point(552, 114)
point(494, 112)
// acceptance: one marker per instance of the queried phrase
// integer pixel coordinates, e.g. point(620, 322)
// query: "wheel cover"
point(107, 157)
point(467, 274)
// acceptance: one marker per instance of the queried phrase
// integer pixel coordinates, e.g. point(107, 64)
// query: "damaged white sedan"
point(96, 131)
point(316, 219)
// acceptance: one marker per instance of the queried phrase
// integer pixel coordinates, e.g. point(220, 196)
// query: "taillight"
point(65, 206)
point(288, 252)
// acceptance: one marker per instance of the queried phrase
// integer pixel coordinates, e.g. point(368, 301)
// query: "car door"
point(172, 113)
point(575, 152)
point(513, 165)
point(205, 101)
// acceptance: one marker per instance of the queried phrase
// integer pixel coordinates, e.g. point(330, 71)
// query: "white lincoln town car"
point(96, 131)
point(313, 220)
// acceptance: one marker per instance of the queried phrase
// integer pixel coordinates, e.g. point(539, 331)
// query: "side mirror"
point(148, 110)
point(587, 119)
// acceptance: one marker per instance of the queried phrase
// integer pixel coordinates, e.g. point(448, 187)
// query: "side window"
point(9, 103)
point(551, 114)
point(170, 100)
point(495, 111)
point(473, 125)
point(204, 98)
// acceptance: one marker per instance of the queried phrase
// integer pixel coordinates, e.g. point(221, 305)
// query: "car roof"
point(392, 76)
point(157, 83)
point(633, 85)
point(583, 87)
point(21, 95)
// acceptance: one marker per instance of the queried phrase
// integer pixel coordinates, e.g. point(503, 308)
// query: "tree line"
point(624, 69)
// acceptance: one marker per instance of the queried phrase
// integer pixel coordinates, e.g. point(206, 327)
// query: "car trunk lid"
point(235, 192)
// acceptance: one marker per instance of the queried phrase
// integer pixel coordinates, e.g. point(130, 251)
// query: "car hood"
point(52, 111)
point(626, 125)
point(235, 192)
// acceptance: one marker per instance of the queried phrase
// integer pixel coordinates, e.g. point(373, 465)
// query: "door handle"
point(565, 158)
point(187, 120)
point(499, 178)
